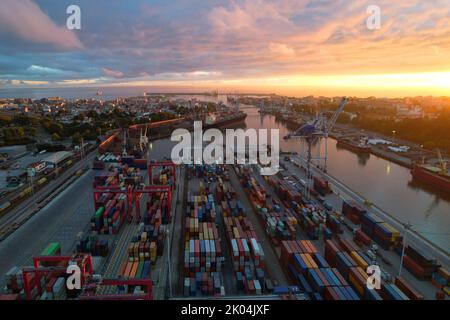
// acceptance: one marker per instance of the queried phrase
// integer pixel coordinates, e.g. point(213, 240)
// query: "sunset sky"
point(295, 47)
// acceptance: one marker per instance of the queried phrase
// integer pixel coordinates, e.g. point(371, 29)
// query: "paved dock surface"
point(61, 220)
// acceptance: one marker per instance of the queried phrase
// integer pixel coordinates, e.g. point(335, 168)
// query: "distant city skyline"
point(286, 47)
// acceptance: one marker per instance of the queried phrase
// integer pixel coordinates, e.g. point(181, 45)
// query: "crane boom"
point(336, 114)
point(442, 162)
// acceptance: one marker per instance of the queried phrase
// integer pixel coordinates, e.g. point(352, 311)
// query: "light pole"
point(407, 227)
point(393, 134)
point(169, 251)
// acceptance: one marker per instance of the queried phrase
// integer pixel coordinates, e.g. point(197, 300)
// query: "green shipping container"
point(139, 270)
point(99, 212)
point(54, 248)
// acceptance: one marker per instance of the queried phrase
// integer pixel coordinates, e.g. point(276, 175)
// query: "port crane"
point(442, 162)
point(143, 139)
point(314, 131)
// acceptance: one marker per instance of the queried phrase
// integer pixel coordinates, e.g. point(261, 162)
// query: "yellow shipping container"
point(236, 233)
point(359, 260)
point(312, 262)
point(5, 206)
point(153, 251)
point(446, 290)
point(211, 234)
point(395, 232)
point(306, 259)
point(27, 190)
point(357, 286)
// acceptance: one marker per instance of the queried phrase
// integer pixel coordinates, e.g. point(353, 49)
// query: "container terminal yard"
point(140, 227)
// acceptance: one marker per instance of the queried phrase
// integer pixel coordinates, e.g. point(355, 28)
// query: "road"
point(33, 203)
point(271, 257)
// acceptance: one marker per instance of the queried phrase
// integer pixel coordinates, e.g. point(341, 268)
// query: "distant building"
point(56, 158)
point(405, 112)
point(16, 176)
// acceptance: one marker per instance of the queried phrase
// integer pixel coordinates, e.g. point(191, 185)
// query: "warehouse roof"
point(57, 157)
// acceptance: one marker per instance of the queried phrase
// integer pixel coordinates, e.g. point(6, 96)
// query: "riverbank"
point(407, 159)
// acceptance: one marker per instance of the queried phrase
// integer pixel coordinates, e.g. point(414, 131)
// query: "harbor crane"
point(143, 139)
point(314, 131)
point(442, 162)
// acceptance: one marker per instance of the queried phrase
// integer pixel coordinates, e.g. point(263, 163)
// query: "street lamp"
point(169, 261)
point(393, 134)
point(407, 227)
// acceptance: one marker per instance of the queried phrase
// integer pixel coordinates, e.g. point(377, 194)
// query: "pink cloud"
point(113, 73)
point(25, 19)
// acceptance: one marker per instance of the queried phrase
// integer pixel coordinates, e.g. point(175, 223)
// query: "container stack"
point(390, 291)
point(58, 291)
point(224, 191)
point(246, 251)
point(144, 249)
point(441, 280)
point(381, 232)
point(278, 224)
point(164, 177)
point(321, 186)
point(91, 244)
point(136, 269)
point(132, 162)
point(419, 264)
point(334, 224)
point(14, 281)
point(207, 172)
point(146, 246)
point(407, 289)
point(311, 221)
point(157, 209)
point(361, 238)
point(201, 207)
point(106, 179)
point(202, 250)
point(353, 211)
point(258, 193)
point(110, 214)
point(285, 189)
point(312, 273)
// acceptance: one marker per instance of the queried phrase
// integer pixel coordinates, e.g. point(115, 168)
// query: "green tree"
point(32, 131)
point(5, 120)
point(56, 137)
point(20, 132)
point(76, 138)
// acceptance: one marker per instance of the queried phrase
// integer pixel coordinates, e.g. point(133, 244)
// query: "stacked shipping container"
point(203, 250)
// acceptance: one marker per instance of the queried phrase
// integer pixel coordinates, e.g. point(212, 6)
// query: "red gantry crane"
point(156, 164)
point(150, 190)
point(98, 191)
point(32, 275)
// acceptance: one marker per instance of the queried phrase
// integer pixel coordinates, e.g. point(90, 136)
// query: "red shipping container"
point(361, 237)
point(407, 289)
